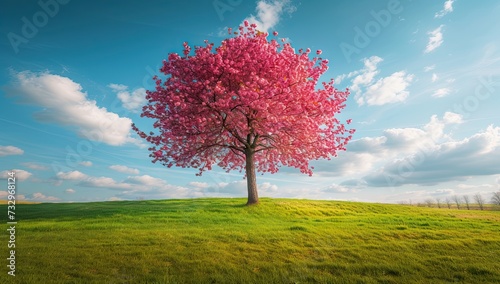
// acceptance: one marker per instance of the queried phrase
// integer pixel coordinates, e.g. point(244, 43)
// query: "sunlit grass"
point(278, 241)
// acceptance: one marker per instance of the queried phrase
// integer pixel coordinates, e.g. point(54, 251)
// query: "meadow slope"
point(278, 241)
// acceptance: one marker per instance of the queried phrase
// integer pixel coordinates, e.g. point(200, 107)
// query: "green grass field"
point(278, 241)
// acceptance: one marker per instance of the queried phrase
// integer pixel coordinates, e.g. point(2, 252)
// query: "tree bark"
point(253, 196)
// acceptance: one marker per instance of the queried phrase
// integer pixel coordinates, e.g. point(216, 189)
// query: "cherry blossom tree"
point(250, 104)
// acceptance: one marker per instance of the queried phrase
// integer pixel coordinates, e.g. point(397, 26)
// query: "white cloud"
point(365, 154)
point(145, 180)
point(73, 175)
point(197, 184)
point(452, 118)
point(237, 188)
point(64, 103)
point(337, 188)
point(156, 188)
point(367, 122)
point(340, 78)
point(434, 130)
point(370, 156)
point(134, 187)
point(10, 150)
point(86, 163)
point(124, 169)
point(132, 101)
point(269, 13)
point(5, 194)
point(403, 140)
point(20, 175)
point(477, 155)
point(442, 92)
point(346, 163)
point(435, 39)
point(447, 8)
point(38, 196)
point(391, 89)
point(434, 77)
point(366, 144)
point(267, 187)
point(223, 32)
point(35, 166)
point(364, 76)
point(114, 198)
point(104, 182)
point(429, 68)
point(475, 187)
point(70, 190)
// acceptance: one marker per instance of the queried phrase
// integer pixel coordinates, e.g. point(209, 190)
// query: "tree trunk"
point(253, 197)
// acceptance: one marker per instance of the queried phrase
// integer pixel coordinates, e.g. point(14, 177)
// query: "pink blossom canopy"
point(248, 93)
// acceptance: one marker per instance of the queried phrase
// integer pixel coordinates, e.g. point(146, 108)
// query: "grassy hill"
point(278, 241)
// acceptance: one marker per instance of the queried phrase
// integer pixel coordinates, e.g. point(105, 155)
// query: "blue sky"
point(424, 79)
